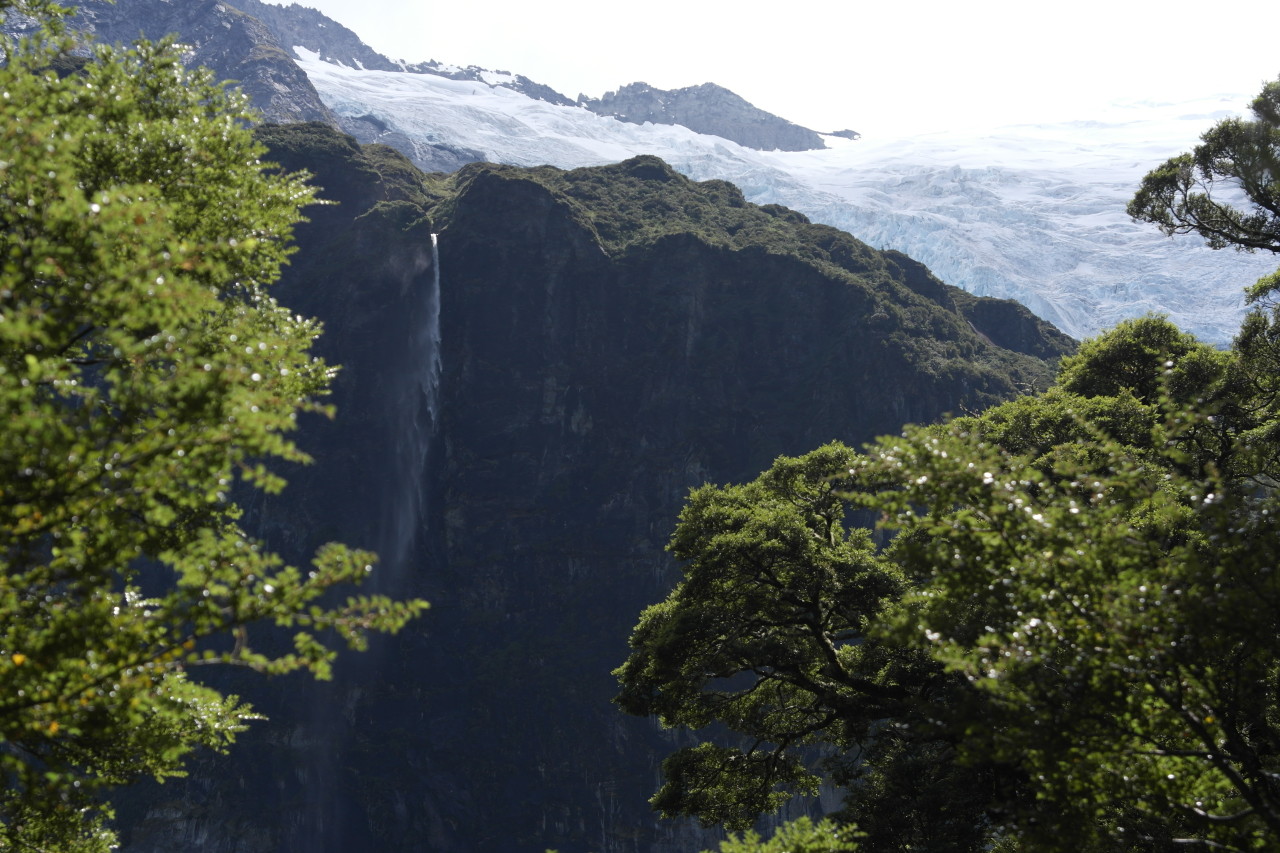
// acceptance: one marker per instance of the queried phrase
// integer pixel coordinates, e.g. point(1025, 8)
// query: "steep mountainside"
point(1032, 213)
point(235, 45)
point(709, 109)
point(606, 339)
point(254, 42)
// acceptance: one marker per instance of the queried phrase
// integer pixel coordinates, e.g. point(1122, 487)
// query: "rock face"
point(427, 155)
point(252, 43)
point(707, 109)
point(301, 26)
point(608, 339)
point(236, 46)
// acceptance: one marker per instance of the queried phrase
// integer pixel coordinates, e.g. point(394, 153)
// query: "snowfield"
point(1028, 212)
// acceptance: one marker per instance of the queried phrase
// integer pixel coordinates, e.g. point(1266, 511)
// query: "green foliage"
point(799, 836)
point(352, 169)
point(1132, 357)
point(1073, 640)
point(778, 590)
point(1118, 618)
point(144, 372)
point(767, 637)
point(1236, 154)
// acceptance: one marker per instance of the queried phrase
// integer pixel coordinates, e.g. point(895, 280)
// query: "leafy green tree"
point(799, 836)
point(1132, 359)
point(1078, 646)
point(1199, 192)
point(775, 588)
point(145, 371)
point(1086, 592)
point(767, 637)
point(1117, 612)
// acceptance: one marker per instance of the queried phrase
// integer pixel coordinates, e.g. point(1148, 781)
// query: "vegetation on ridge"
point(641, 211)
point(634, 208)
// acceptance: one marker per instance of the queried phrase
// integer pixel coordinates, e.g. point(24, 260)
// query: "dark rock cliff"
point(252, 43)
point(707, 109)
point(609, 338)
point(236, 46)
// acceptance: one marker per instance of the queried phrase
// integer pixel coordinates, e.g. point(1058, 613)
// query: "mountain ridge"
point(1011, 224)
point(709, 109)
point(301, 26)
point(235, 45)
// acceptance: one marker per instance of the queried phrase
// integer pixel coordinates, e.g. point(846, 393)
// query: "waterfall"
point(433, 332)
point(417, 414)
point(403, 399)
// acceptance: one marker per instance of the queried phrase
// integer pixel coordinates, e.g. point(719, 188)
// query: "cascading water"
point(433, 322)
point(417, 416)
point(406, 400)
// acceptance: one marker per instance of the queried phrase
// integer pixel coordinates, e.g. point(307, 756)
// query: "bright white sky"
point(881, 67)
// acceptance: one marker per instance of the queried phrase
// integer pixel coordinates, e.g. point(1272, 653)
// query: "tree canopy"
point(1067, 634)
point(1227, 189)
point(1111, 601)
point(145, 374)
point(1073, 637)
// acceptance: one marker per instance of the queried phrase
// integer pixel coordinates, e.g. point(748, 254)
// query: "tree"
point(145, 372)
point(799, 836)
point(1118, 613)
point(1087, 592)
point(775, 588)
point(1199, 192)
point(768, 636)
point(1080, 644)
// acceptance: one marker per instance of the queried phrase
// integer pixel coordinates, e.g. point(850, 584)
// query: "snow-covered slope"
point(1033, 213)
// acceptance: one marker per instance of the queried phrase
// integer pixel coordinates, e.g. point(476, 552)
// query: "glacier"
point(1032, 212)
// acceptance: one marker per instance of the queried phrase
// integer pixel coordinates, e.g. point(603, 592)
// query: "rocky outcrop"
point(253, 43)
point(300, 26)
point(709, 109)
point(610, 338)
point(1002, 322)
point(497, 79)
point(236, 46)
point(427, 156)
